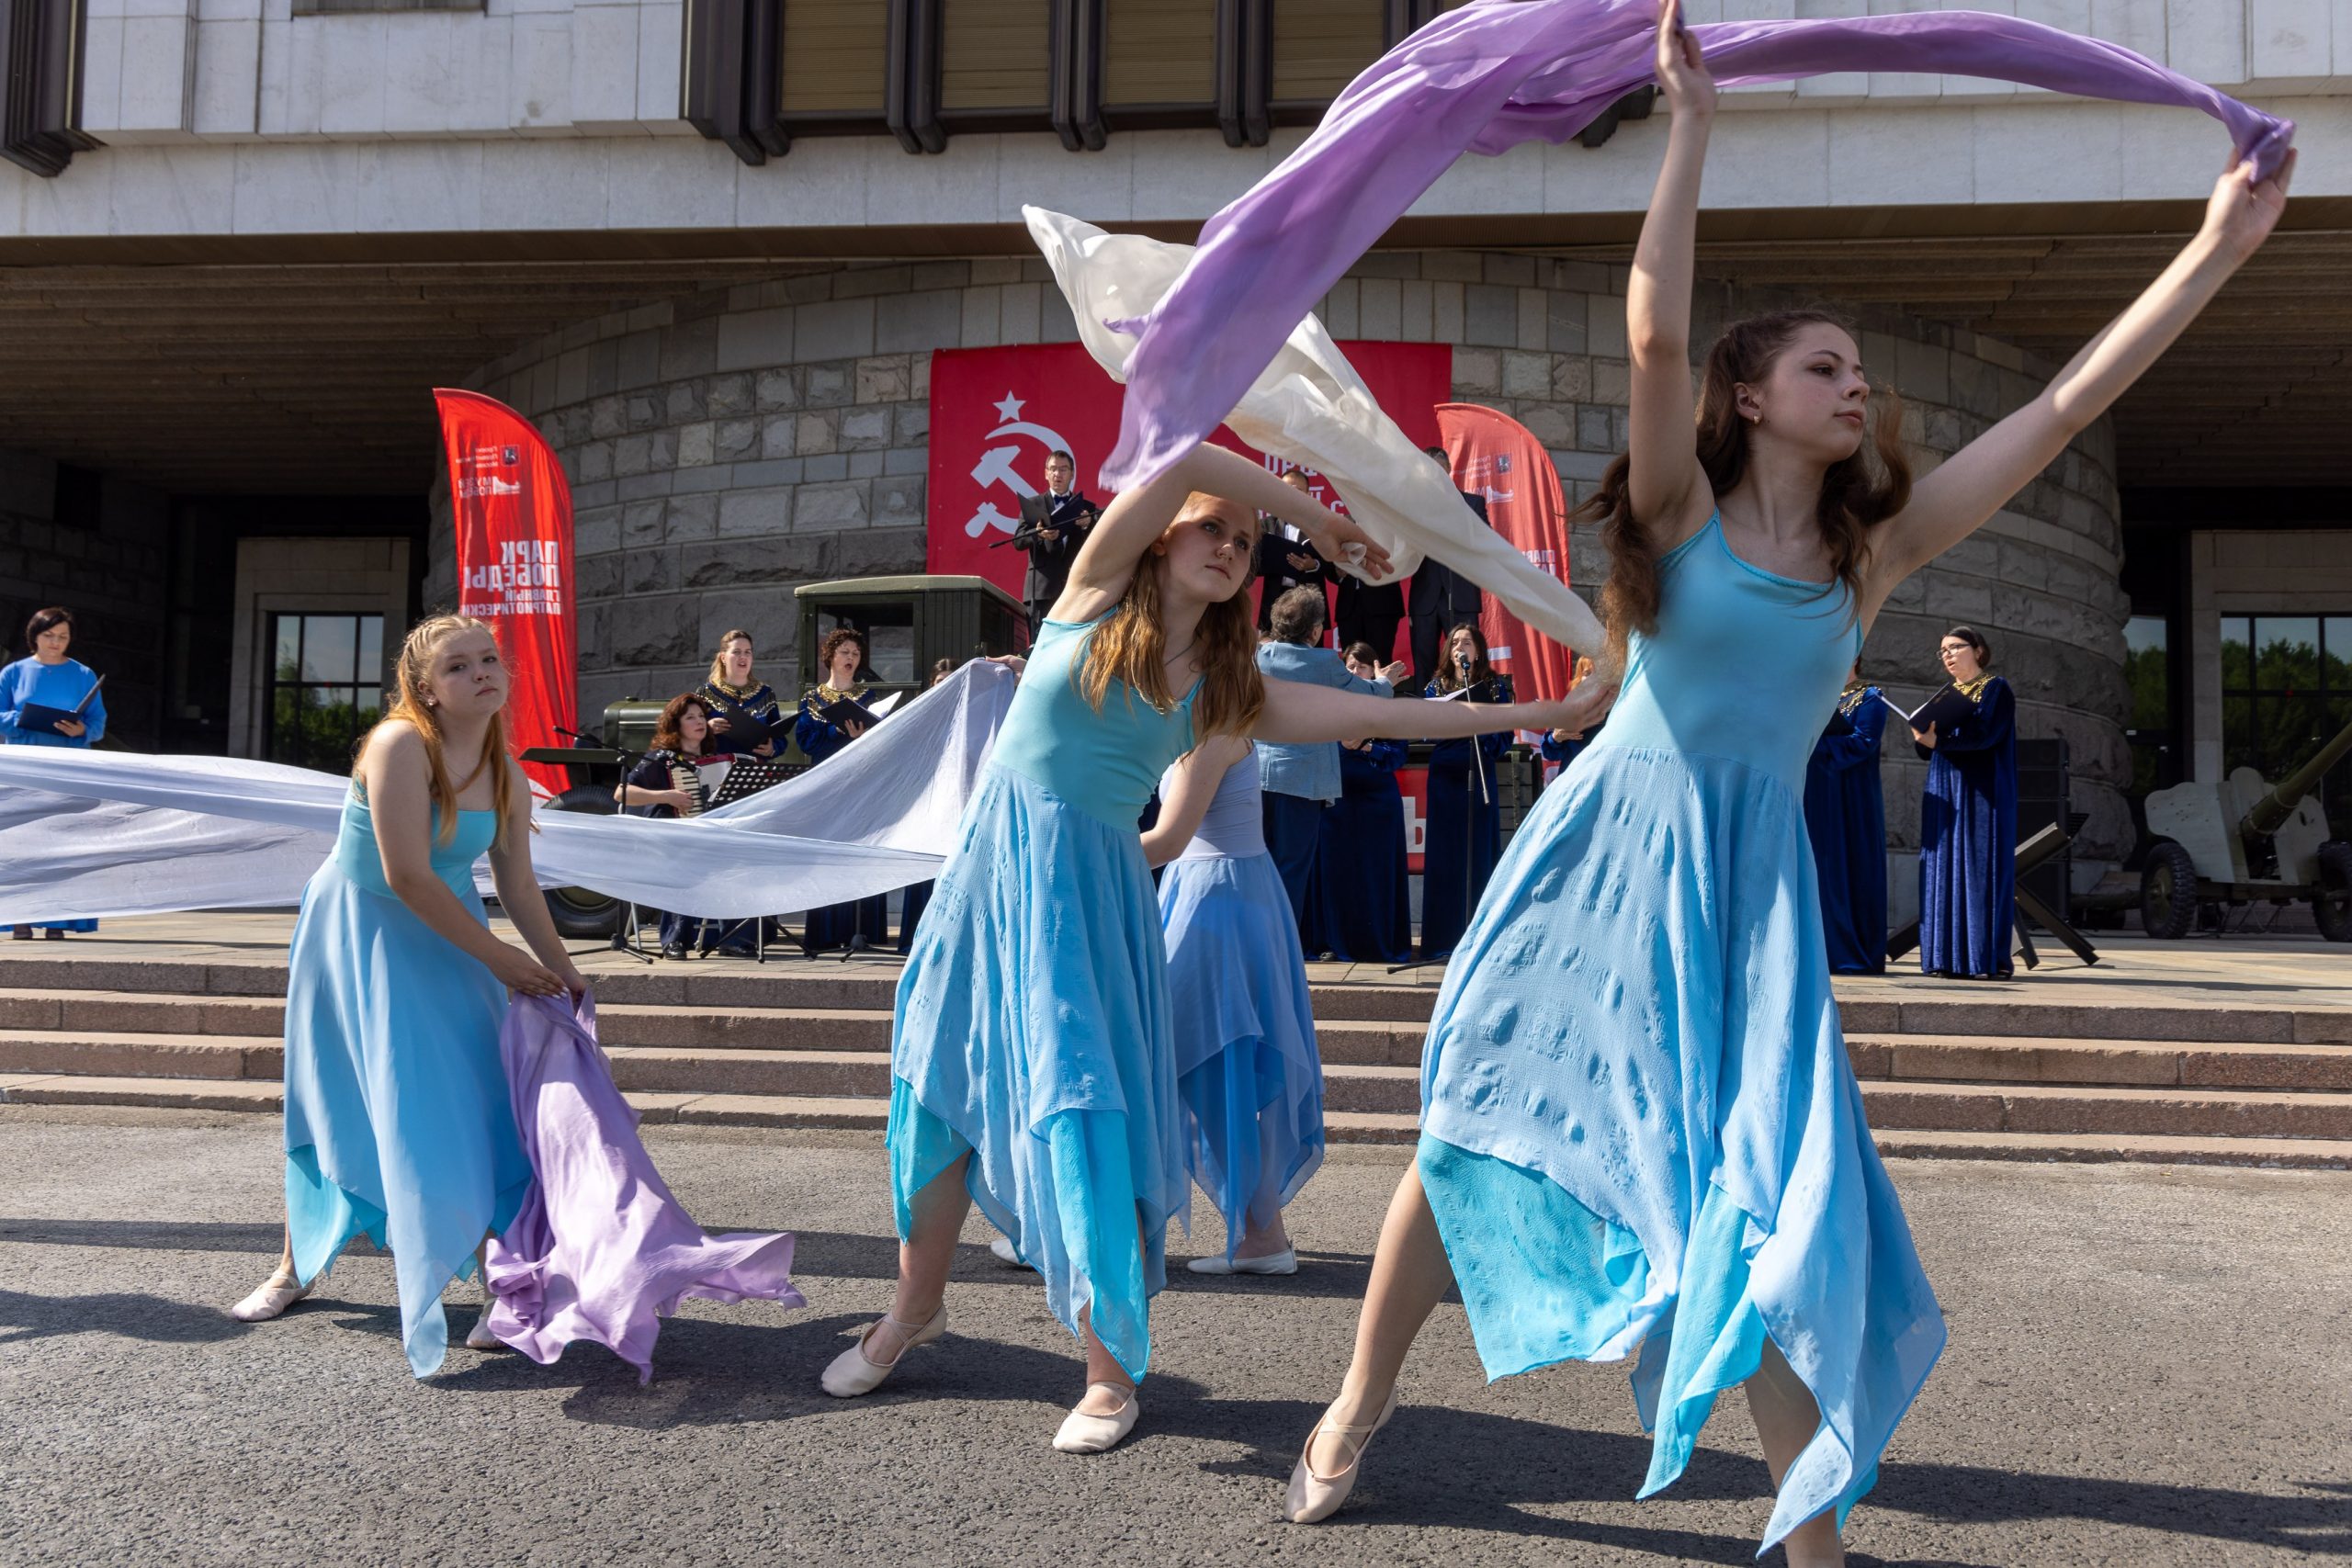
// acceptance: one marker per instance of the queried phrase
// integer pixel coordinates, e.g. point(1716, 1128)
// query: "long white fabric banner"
point(91, 834)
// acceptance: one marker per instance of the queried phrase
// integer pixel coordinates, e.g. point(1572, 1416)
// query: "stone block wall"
point(105, 560)
point(727, 446)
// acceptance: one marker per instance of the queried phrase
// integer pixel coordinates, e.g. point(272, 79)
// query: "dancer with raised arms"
point(1639, 1127)
point(1031, 1057)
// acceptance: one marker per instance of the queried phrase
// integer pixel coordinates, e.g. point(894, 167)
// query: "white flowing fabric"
point(93, 834)
point(1311, 407)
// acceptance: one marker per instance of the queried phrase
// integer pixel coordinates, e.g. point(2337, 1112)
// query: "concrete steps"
point(798, 1044)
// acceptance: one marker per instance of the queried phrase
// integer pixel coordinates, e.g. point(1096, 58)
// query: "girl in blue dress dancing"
point(1032, 1056)
point(1639, 1127)
point(1248, 1073)
point(398, 1118)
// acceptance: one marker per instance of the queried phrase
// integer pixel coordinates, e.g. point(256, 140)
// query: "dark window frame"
point(41, 46)
point(362, 682)
point(2242, 744)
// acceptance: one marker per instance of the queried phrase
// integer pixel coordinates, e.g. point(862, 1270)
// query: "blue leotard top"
point(1106, 763)
point(359, 858)
point(1234, 826)
point(1789, 641)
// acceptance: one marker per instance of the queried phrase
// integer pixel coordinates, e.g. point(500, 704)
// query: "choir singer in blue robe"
point(1845, 814)
point(862, 922)
point(1968, 821)
point(1361, 890)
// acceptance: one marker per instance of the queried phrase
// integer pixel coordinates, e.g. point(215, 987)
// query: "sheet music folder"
point(44, 719)
point(1945, 708)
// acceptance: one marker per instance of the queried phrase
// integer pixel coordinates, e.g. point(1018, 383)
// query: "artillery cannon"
point(2241, 841)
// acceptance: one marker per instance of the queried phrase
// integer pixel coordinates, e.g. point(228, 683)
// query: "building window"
point(995, 55)
point(1320, 46)
point(323, 687)
point(1160, 57)
point(2286, 688)
point(836, 60)
point(2147, 725)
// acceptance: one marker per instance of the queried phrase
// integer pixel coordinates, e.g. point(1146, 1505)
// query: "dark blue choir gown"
point(1968, 839)
point(836, 925)
point(1845, 815)
point(1464, 833)
point(731, 702)
point(1362, 907)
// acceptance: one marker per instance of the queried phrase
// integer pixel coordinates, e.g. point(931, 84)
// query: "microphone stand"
point(627, 936)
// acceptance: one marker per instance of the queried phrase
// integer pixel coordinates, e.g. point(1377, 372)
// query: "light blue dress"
point(1246, 1069)
point(398, 1120)
point(1639, 1126)
point(1032, 1027)
point(60, 685)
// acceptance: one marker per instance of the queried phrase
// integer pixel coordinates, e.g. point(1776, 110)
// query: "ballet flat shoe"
point(479, 1337)
point(270, 1299)
point(1282, 1262)
point(1312, 1496)
point(851, 1374)
point(1003, 1247)
point(1084, 1433)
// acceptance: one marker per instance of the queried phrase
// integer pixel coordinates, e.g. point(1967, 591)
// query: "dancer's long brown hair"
point(412, 674)
point(1856, 494)
point(1131, 646)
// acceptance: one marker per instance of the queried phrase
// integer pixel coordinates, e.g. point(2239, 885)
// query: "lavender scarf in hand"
point(1488, 77)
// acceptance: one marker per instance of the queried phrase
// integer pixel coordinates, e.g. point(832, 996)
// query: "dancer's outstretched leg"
point(1786, 1420)
point(1409, 1275)
point(918, 1312)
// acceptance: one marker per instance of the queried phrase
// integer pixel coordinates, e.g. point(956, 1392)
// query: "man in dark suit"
point(1440, 597)
point(1053, 526)
point(1286, 561)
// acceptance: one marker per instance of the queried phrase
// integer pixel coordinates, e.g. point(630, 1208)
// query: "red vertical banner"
point(1495, 455)
point(514, 518)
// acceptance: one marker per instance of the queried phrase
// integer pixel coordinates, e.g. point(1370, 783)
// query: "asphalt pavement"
point(2147, 1365)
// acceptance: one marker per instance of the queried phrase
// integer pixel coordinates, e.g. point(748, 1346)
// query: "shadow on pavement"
point(133, 1316)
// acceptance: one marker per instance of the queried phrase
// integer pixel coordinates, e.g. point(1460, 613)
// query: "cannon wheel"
point(577, 912)
point(2332, 900)
point(2168, 892)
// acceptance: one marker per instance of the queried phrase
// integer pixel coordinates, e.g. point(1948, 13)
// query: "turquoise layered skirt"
point(1640, 1131)
point(398, 1125)
point(1247, 1074)
point(1032, 1032)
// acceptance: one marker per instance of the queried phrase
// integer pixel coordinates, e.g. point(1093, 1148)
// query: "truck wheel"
point(2332, 903)
point(2168, 892)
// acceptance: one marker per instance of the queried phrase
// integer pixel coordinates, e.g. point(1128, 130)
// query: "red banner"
point(996, 413)
point(1495, 455)
point(514, 516)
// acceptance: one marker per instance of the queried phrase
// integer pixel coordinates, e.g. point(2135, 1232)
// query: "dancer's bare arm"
point(396, 775)
point(1974, 482)
point(1665, 485)
point(518, 886)
point(1299, 715)
point(1136, 519)
point(1192, 785)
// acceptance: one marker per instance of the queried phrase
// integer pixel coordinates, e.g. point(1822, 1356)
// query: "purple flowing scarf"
point(601, 1251)
point(1485, 79)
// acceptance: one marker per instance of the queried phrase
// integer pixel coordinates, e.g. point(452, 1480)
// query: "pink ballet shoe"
point(852, 1373)
point(271, 1298)
point(1312, 1496)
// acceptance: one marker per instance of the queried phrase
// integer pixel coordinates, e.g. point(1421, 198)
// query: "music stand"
point(746, 777)
point(627, 937)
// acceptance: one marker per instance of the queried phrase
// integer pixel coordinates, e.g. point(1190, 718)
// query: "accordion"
point(699, 782)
